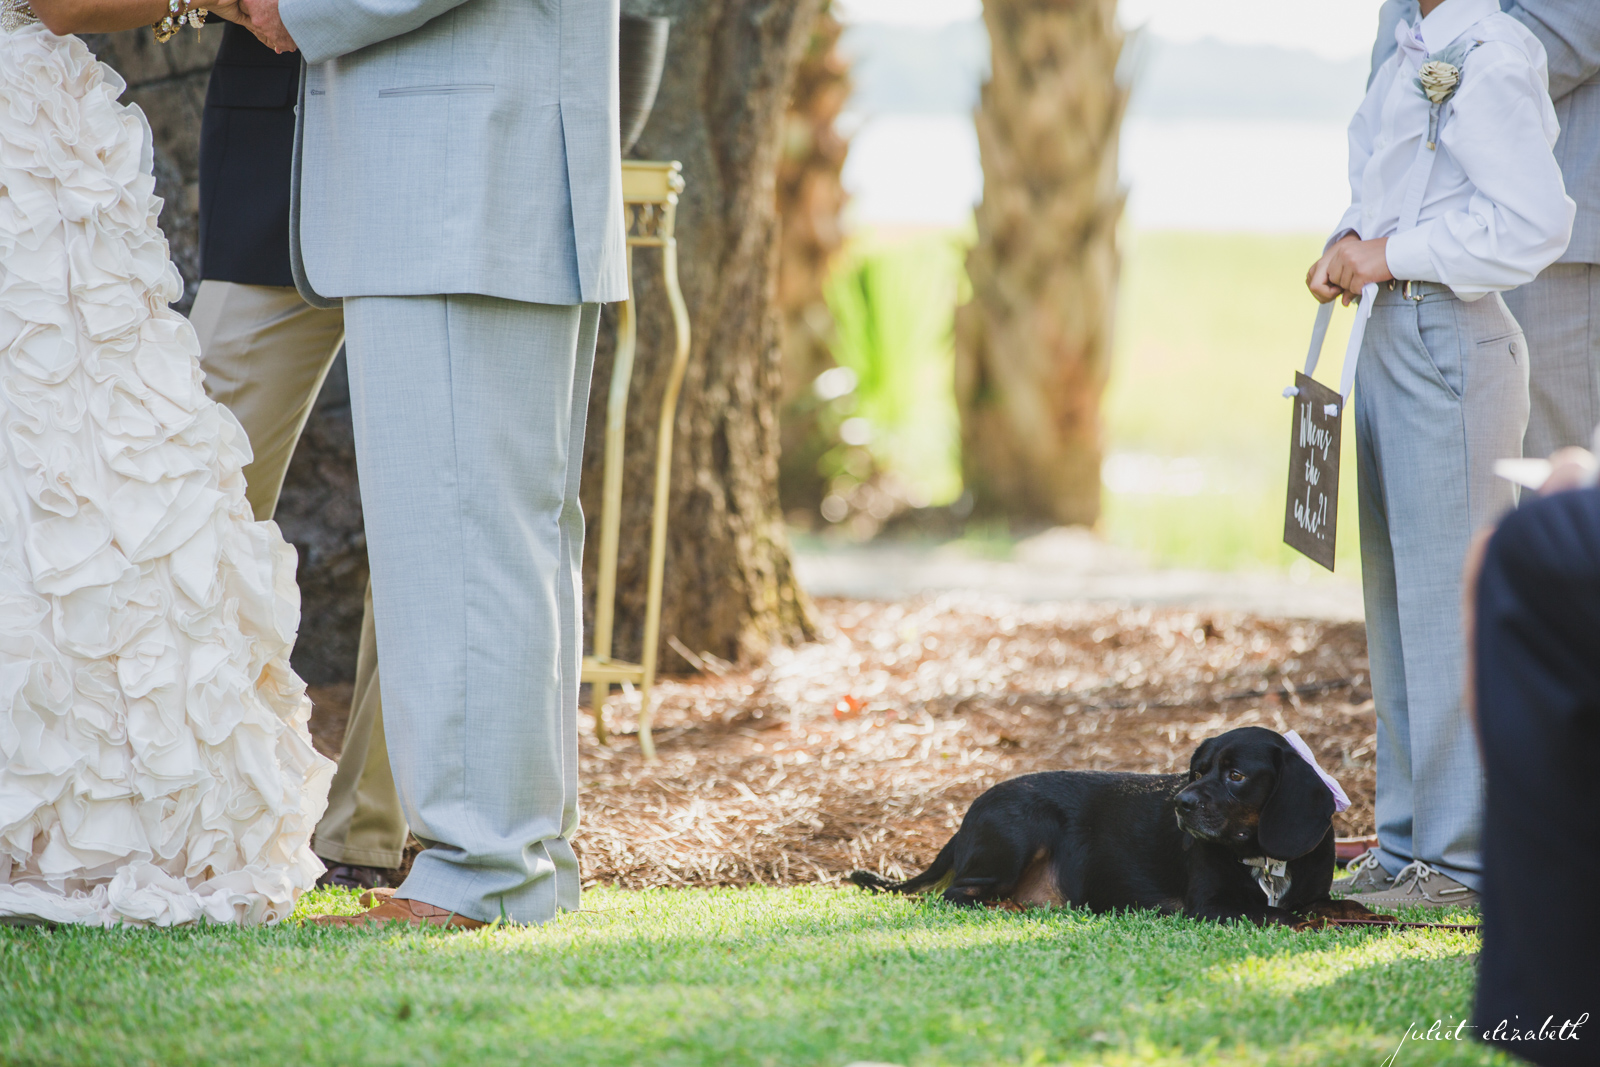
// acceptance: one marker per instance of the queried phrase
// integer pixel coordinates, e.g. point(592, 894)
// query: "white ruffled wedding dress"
point(155, 765)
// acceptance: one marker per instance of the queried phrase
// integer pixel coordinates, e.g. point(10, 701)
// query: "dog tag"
point(1311, 517)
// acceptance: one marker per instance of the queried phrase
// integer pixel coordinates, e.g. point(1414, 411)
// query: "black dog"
point(1246, 834)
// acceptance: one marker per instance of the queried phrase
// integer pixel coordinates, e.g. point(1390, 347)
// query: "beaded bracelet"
point(178, 12)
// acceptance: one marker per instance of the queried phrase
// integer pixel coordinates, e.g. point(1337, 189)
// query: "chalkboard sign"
point(1311, 519)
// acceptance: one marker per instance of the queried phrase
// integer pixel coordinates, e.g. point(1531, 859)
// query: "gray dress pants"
point(1560, 310)
point(1441, 393)
point(469, 418)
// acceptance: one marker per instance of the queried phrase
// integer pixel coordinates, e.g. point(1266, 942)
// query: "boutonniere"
point(1438, 80)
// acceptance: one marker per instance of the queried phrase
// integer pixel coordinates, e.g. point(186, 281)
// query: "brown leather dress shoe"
point(386, 908)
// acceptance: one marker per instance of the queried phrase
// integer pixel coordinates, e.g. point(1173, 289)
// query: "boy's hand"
point(1355, 264)
point(1317, 277)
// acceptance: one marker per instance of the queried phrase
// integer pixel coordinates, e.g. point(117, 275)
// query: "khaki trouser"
point(265, 353)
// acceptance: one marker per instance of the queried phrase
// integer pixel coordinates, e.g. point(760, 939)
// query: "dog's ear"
point(1297, 815)
point(1202, 753)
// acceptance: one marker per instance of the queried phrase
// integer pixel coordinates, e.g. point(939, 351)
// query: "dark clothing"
point(246, 145)
point(1538, 679)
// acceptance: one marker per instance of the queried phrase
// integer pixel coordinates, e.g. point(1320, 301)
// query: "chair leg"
point(600, 692)
point(647, 743)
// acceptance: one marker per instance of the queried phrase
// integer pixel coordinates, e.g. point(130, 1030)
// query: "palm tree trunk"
point(1033, 345)
point(811, 203)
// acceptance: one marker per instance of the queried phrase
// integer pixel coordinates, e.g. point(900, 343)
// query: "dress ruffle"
point(155, 765)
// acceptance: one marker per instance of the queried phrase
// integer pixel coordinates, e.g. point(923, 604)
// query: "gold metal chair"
point(650, 199)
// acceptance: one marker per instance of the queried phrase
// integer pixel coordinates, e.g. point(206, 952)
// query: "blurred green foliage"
point(886, 415)
point(1210, 328)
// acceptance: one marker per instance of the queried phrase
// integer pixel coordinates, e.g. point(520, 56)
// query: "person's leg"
point(572, 533)
point(364, 824)
point(1452, 399)
point(468, 420)
point(1556, 311)
point(1538, 679)
point(265, 353)
point(1385, 662)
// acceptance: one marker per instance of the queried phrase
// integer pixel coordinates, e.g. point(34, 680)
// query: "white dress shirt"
point(1494, 212)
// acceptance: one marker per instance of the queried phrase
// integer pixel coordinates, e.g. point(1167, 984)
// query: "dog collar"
point(1272, 876)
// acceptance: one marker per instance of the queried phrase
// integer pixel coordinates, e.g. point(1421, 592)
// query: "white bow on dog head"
point(1340, 801)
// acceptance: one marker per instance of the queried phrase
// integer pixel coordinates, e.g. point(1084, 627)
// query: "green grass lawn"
point(750, 976)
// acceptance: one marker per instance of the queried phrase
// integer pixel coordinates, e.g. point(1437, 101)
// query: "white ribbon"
point(1352, 351)
point(1340, 801)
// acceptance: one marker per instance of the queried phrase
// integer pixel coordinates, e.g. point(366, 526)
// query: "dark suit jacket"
point(246, 147)
point(1538, 681)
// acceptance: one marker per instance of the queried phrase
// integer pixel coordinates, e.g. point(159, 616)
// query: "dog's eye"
point(1235, 776)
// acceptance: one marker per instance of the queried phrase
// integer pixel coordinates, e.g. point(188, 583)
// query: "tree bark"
point(730, 587)
point(1033, 345)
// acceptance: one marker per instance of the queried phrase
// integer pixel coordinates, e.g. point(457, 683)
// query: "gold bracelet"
point(178, 12)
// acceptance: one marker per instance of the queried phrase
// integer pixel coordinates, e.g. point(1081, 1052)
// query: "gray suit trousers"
point(1441, 393)
point(469, 419)
point(1560, 310)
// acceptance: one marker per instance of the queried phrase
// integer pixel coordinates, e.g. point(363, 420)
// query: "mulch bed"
point(865, 748)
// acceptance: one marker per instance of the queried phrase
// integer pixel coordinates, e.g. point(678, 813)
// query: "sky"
point(1336, 29)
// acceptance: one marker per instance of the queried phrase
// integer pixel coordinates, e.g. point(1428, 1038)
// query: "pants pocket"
point(1443, 339)
point(1512, 347)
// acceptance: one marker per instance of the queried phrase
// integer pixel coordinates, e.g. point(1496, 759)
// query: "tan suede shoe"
point(1419, 884)
point(1365, 875)
point(386, 908)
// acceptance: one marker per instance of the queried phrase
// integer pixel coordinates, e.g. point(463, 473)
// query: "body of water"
point(1260, 175)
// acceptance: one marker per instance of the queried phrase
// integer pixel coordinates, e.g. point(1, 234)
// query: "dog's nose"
point(1187, 803)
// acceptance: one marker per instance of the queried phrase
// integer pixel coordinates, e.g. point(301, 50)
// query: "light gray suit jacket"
point(457, 146)
point(1570, 33)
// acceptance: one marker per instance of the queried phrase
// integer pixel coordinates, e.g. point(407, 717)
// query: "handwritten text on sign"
point(1311, 518)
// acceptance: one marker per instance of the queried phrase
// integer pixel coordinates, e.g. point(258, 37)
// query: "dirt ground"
point(865, 748)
